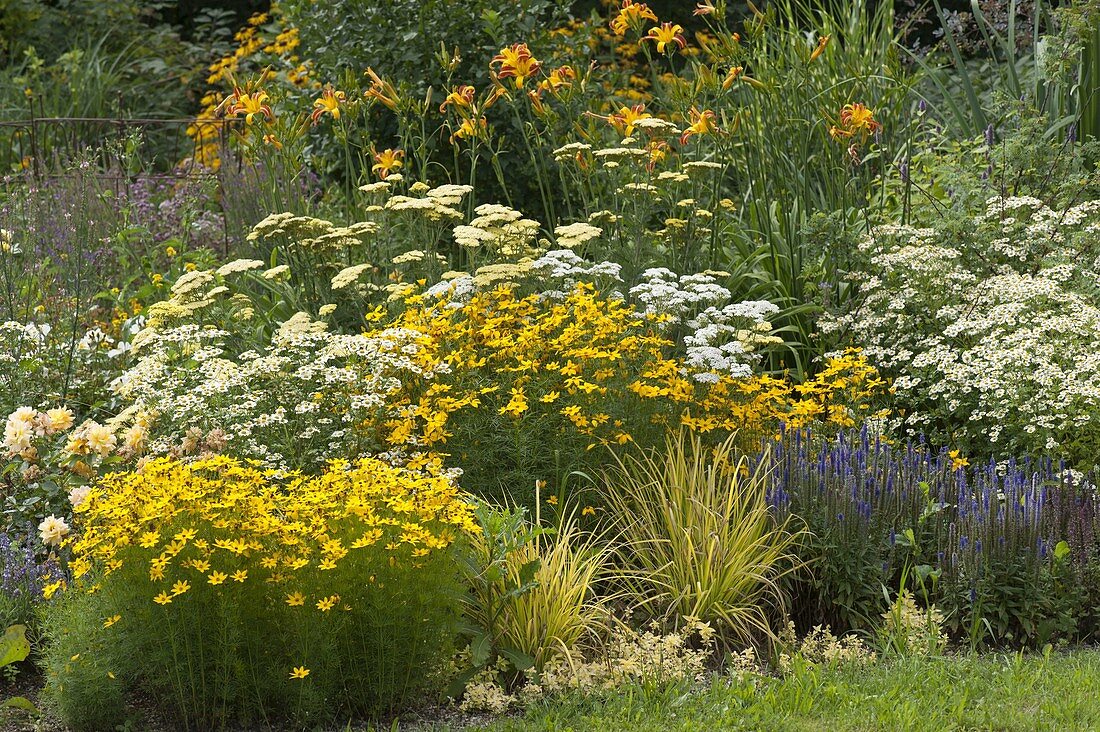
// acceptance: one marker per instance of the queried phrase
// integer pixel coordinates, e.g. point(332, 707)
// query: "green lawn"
point(1004, 692)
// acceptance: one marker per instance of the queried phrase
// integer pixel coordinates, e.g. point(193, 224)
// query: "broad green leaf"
point(14, 646)
point(480, 648)
point(521, 661)
point(20, 702)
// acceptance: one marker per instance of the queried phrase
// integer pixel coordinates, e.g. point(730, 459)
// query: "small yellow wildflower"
point(517, 405)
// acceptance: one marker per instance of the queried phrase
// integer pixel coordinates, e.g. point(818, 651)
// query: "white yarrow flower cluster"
point(722, 338)
point(995, 329)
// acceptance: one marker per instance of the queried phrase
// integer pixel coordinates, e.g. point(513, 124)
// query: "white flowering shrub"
point(989, 329)
point(43, 365)
point(309, 397)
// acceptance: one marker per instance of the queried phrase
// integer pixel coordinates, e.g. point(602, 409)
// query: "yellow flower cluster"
point(254, 46)
point(530, 352)
point(843, 394)
point(219, 522)
point(600, 364)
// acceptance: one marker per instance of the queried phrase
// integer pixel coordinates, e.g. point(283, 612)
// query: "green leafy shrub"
point(534, 594)
point(405, 36)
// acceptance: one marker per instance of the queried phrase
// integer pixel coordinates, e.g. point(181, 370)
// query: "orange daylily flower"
point(462, 99)
point(381, 90)
point(559, 78)
point(666, 34)
point(702, 123)
point(471, 128)
point(630, 16)
point(704, 8)
point(387, 161)
point(250, 105)
point(658, 151)
point(732, 76)
point(821, 44)
point(516, 62)
point(535, 95)
point(856, 120)
point(623, 120)
point(329, 103)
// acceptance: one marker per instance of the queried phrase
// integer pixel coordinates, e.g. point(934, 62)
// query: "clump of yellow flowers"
point(238, 585)
point(217, 518)
point(530, 385)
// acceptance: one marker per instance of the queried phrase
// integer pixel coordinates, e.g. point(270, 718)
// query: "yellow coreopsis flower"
point(517, 405)
point(299, 672)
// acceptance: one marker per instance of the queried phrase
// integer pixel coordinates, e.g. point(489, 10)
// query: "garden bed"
point(540, 364)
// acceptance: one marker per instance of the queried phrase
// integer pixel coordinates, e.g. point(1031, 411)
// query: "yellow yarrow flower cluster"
point(222, 523)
